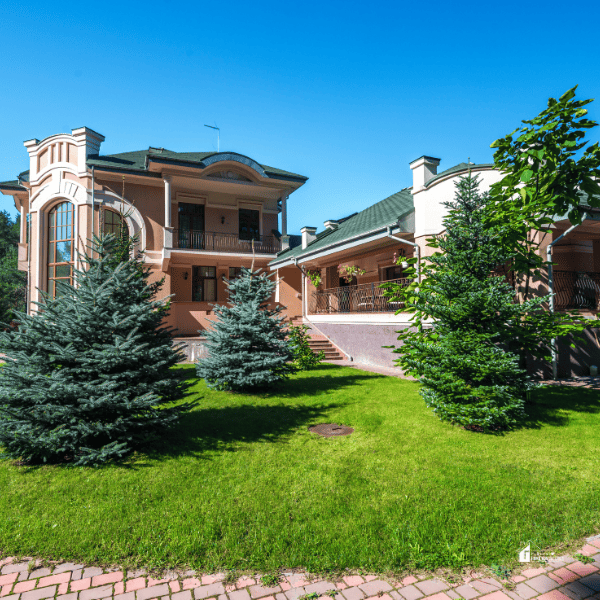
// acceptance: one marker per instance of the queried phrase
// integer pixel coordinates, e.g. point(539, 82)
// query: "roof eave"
point(138, 172)
point(12, 188)
point(362, 237)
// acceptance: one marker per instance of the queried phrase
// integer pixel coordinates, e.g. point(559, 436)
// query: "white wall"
point(429, 211)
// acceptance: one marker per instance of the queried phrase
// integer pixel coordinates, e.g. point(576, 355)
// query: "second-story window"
point(204, 284)
point(114, 223)
point(191, 226)
point(249, 224)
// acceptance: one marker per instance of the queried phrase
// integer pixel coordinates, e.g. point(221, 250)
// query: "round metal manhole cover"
point(331, 429)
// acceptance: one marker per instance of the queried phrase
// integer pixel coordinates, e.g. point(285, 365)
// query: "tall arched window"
point(60, 246)
point(114, 223)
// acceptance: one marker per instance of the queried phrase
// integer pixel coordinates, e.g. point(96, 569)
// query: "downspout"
point(304, 308)
point(553, 349)
point(413, 244)
point(28, 238)
point(93, 201)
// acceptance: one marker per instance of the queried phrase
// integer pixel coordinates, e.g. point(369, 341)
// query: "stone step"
point(319, 343)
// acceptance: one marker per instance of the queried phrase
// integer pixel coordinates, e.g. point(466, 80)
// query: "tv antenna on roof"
point(218, 134)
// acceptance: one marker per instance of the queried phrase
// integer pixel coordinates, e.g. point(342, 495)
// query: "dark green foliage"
point(12, 281)
point(304, 357)
point(87, 376)
point(9, 232)
point(468, 361)
point(546, 173)
point(247, 345)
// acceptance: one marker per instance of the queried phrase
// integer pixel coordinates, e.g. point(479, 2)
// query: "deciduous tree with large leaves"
point(547, 169)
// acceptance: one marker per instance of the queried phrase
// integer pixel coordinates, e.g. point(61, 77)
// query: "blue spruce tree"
point(247, 345)
point(87, 376)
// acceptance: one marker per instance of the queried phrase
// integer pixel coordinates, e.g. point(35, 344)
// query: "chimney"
point(424, 169)
point(89, 138)
point(331, 224)
point(308, 235)
point(88, 142)
point(285, 242)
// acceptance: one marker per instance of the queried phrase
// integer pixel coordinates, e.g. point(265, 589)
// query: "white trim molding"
point(358, 318)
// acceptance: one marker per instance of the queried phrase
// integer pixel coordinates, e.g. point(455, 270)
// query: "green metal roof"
point(136, 162)
point(375, 217)
point(12, 185)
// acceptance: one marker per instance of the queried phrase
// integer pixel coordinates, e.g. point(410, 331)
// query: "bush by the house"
point(304, 357)
point(247, 345)
point(87, 376)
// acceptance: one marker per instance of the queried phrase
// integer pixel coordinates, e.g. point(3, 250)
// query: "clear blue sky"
point(344, 93)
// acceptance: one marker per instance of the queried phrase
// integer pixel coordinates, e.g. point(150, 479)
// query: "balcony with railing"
point(576, 290)
point(363, 298)
point(224, 242)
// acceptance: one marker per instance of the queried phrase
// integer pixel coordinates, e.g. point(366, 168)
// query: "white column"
point(40, 253)
point(284, 215)
point(76, 260)
point(167, 180)
point(277, 287)
point(304, 296)
point(23, 223)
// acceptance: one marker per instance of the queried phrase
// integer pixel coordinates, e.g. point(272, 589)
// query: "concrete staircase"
point(318, 342)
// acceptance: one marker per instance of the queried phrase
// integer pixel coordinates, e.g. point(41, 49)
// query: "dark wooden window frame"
point(116, 228)
point(246, 219)
point(198, 282)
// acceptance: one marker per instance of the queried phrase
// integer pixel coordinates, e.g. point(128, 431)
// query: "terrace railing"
point(576, 290)
point(366, 297)
point(224, 242)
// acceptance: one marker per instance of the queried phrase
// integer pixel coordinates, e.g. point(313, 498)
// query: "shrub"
point(304, 357)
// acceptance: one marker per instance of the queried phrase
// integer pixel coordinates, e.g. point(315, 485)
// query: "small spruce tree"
point(247, 345)
point(87, 376)
point(470, 330)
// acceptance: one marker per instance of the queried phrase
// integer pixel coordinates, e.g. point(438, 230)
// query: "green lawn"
point(241, 483)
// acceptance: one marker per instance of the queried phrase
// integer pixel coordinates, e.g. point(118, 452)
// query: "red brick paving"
point(564, 578)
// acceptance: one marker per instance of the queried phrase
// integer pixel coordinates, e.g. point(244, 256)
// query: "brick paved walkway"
point(564, 578)
point(589, 382)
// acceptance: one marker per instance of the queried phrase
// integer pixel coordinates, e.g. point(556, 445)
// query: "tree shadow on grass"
point(222, 428)
point(323, 381)
point(550, 405)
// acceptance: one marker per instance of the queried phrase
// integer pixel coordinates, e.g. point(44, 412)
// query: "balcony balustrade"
point(224, 242)
point(576, 290)
point(366, 297)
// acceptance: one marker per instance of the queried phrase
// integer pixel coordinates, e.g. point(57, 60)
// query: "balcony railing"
point(576, 290)
point(223, 242)
point(366, 297)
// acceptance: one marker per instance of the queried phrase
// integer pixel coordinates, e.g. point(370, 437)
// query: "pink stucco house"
point(199, 216)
